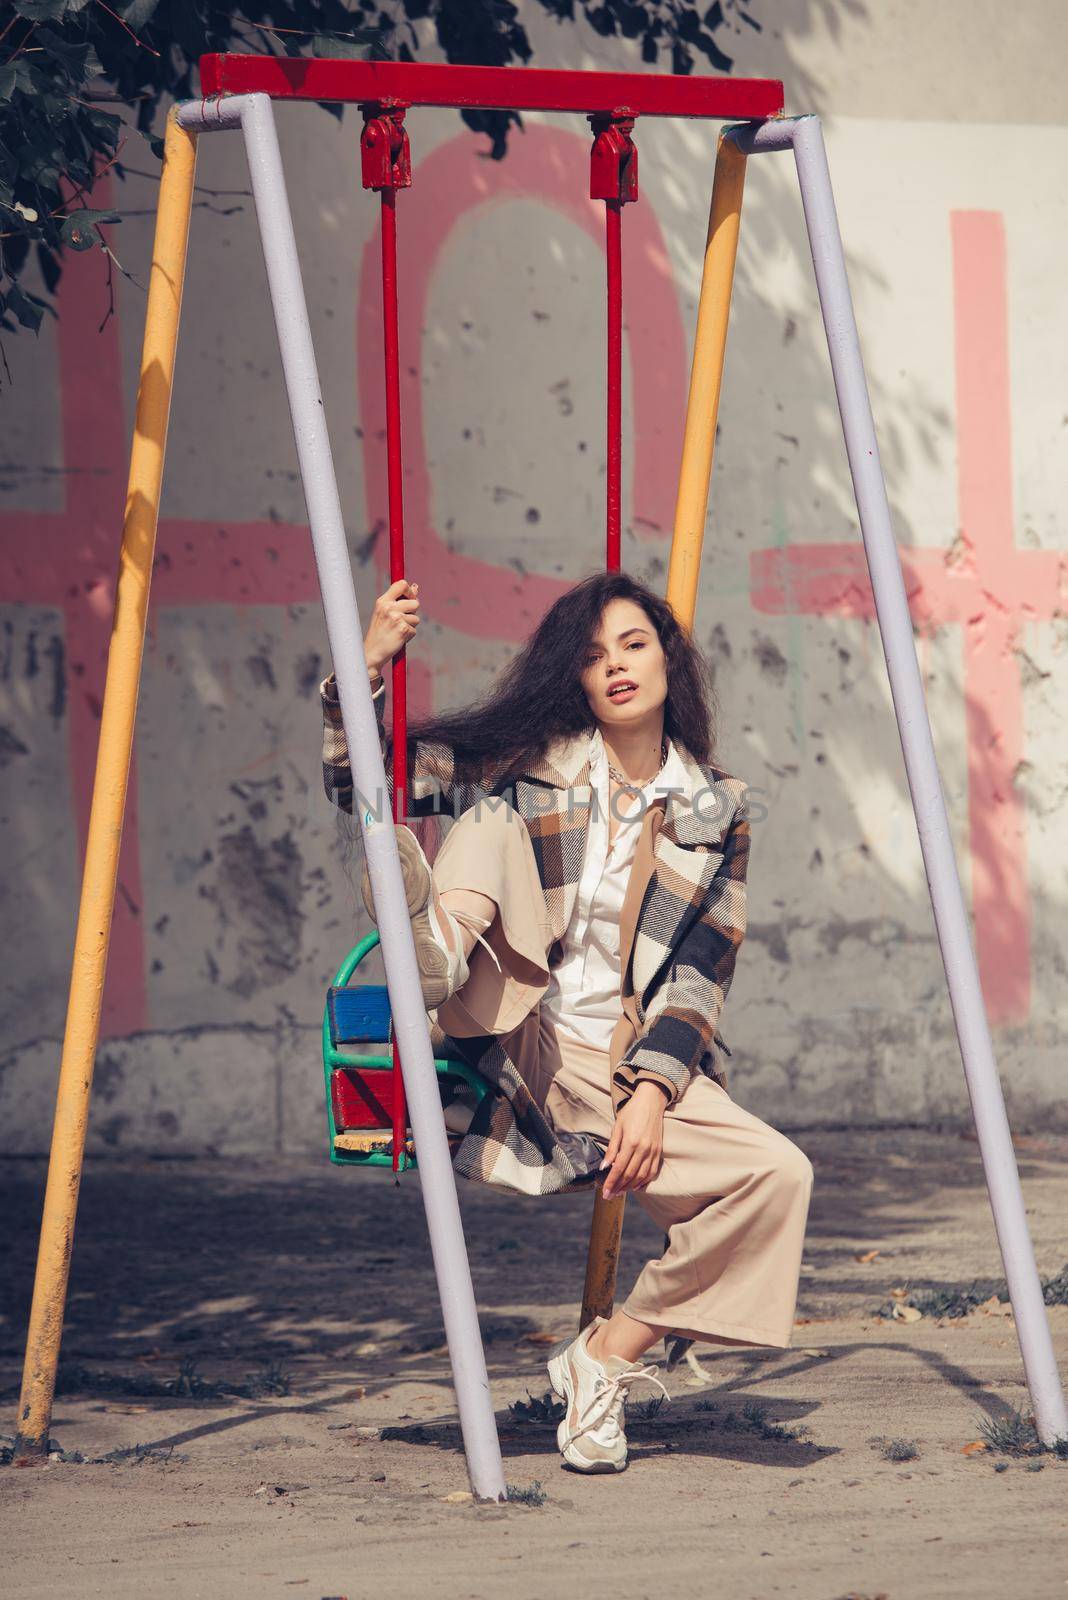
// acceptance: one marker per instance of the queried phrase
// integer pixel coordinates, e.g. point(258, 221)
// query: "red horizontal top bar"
point(490, 88)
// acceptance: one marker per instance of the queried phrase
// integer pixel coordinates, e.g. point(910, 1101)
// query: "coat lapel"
point(644, 865)
point(642, 869)
point(676, 851)
point(687, 854)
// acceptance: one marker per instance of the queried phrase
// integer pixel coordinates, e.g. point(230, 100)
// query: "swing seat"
point(358, 1068)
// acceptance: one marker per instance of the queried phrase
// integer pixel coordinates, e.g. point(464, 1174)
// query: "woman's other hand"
point(636, 1147)
point(393, 622)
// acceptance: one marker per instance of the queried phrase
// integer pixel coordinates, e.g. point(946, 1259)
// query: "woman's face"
point(624, 650)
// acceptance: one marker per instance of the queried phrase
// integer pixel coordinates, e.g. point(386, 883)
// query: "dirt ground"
point(331, 1471)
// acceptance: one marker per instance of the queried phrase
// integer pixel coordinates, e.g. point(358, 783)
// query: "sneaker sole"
point(430, 958)
point(560, 1378)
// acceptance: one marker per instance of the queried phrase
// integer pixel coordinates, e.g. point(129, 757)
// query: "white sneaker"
point(591, 1436)
point(442, 966)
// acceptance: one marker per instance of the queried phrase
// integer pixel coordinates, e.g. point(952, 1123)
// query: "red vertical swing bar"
point(614, 254)
point(386, 163)
point(614, 179)
point(395, 488)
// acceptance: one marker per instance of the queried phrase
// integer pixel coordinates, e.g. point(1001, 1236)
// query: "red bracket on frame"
point(385, 154)
point(614, 157)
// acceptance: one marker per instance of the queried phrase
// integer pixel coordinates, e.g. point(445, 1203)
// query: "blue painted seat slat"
point(358, 1013)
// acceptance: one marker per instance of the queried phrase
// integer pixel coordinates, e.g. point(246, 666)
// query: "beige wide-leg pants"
point(732, 1193)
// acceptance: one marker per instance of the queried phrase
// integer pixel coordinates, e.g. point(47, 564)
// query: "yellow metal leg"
point(702, 408)
point(706, 376)
point(602, 1257)
point(109, 792)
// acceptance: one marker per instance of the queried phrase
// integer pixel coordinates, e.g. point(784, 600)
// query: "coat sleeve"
point(683, 1013)
point(432, 787)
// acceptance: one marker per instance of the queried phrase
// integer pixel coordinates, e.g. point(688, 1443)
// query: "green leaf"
point(27, 308)
point(79, 228)
point(104, 123)
point(335, 49)
point(41, 170)
point(51, 270)
point(46, 10)
point(19, 76)
point(351, 47)
point(80, 60)
point(138, 13)
point(27, 78)
point(78, 235)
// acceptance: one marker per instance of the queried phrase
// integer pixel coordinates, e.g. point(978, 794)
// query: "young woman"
point(576, 937)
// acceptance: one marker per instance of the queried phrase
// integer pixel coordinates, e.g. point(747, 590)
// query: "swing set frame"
point(238, 92)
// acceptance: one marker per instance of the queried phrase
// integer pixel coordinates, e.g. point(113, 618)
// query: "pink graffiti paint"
point(67, 559)
point(987, 586)
point(481, 597)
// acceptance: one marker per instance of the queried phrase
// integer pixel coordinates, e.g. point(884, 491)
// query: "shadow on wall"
point(249, 914)
point(809, 684)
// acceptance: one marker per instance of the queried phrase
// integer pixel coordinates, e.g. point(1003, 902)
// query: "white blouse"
point(583, 995)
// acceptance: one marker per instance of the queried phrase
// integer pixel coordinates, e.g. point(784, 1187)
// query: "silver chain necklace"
point(628, 783)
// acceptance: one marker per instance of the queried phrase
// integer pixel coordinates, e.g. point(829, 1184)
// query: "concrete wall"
point(239, 891)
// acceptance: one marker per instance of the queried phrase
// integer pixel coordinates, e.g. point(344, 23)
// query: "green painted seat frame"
point(380, 1057)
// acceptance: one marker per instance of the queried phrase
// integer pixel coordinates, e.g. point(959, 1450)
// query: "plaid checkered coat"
point(679, 955)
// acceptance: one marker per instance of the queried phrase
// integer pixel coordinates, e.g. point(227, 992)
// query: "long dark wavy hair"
point(539, 697)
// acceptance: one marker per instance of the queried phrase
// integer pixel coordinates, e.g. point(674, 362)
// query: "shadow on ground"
point(197, 1281)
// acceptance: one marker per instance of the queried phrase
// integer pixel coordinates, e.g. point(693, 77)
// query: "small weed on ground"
point(1055, 1290)
point(136, 1453)
point(414, 1433)
point(1013, 1435)
point(1016, 1435)
point(900, 1450)
point(534, 1496)
point(188, 1384)
point(272, 1380)
point(646, 1410)
point(547, 1409)
point(754, 1419)
point(950, 1300)
point(946, 1300)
